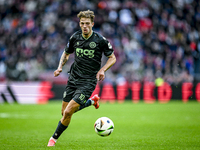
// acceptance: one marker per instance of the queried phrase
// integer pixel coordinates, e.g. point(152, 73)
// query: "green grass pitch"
point(171, 126)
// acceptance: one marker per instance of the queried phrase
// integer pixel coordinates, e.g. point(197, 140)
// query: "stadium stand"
point(157, 38)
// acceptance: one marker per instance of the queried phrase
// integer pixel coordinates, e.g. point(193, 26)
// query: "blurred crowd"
point(151, 38)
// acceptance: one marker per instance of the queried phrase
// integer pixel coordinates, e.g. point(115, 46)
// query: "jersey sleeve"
point(69, 47)
point(107, 47)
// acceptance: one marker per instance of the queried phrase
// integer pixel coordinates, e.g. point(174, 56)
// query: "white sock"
point(53, 139)
point(92, 102)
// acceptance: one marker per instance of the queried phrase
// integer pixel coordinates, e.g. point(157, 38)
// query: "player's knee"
point(67, 113)
point(62, 112)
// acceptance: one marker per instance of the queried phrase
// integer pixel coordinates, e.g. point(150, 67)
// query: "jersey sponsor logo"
point(92, 45)
point(80, 52)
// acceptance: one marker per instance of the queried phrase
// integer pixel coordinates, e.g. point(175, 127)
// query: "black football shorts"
point(79, 90)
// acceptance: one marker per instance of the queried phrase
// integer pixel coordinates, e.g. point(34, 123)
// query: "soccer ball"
point(104, 126)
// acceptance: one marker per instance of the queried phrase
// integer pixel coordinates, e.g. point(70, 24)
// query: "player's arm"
point(101, 73)
point(64, 58)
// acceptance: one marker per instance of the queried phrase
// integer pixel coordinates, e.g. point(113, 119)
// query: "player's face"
point(86, 26)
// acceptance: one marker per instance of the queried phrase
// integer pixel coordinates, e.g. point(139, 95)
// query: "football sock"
point(53, 139)
point(59, 130)
point(88, 103)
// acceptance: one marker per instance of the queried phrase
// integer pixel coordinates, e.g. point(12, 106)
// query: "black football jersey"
point(88, 54)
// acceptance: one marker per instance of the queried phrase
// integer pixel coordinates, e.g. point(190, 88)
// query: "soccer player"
point(86, 70)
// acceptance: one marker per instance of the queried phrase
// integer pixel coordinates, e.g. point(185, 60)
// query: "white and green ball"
point(104, 126)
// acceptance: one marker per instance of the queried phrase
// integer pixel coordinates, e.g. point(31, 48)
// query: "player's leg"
point(64, 105)
point(68, 112)
point(64, 122)
point(92, 101)
point(67, 96)
point(87, 88)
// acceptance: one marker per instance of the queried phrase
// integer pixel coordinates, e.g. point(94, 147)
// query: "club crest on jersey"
point(92, 45)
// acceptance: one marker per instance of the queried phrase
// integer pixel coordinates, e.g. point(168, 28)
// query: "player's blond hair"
point(86, 14)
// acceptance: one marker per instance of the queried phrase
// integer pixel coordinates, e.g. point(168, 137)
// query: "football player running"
point(86, 70)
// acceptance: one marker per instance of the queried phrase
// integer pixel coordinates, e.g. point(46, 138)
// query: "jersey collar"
point(88, 37)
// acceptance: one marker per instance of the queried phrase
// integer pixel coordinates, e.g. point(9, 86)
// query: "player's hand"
point(57, 72)
point(100, 76)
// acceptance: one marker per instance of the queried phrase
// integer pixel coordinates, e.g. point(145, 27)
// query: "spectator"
point(148, 36)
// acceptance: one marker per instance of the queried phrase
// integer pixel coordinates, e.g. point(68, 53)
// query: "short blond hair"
point(86, 14)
